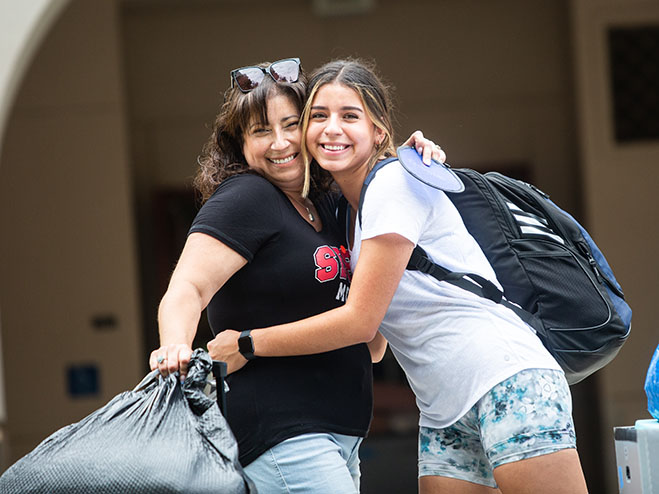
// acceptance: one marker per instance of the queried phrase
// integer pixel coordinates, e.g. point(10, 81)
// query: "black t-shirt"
point(293, 272)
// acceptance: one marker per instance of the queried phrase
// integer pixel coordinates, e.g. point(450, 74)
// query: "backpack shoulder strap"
point(474, 283)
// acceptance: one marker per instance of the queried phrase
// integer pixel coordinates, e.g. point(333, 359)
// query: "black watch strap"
point(246, 345)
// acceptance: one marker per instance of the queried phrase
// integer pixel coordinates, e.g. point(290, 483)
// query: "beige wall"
point(68, 248)
point(620, 191)
point(119, 99)
point(23, 26)
point(491, 81)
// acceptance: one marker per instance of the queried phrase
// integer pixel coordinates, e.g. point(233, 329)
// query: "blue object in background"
point(83, 380)
point(652, 385)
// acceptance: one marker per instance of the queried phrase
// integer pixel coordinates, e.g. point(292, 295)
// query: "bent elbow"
point(377, 346)
point(367, 333)
point(363, 327)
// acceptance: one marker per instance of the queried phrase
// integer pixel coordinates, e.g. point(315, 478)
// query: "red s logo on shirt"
point(332, 262)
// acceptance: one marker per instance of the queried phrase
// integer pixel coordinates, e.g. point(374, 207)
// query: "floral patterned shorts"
point(527, 415)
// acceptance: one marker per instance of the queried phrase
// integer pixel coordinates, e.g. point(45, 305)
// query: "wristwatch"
point(246, 345)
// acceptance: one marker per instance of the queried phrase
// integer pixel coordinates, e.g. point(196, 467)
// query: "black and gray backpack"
point(552, 273)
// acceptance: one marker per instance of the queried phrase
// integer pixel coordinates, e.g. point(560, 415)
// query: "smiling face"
point(273, 147)
point(340, 134)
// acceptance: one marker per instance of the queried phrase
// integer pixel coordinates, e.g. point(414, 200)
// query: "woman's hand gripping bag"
point(162, 437)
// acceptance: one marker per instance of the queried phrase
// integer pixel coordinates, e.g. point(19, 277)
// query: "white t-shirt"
point(453, 345)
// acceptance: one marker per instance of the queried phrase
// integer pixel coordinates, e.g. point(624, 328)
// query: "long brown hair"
point(360, 76)
point(222, 155)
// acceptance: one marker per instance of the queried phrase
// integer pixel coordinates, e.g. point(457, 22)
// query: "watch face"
point(245, 344)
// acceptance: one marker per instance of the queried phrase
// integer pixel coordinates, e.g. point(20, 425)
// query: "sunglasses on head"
point(248, 78)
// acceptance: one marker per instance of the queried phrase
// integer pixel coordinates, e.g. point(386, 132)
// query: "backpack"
point(553, 275)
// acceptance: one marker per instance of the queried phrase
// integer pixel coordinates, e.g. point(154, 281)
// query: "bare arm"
point(382, 262)
point(377, 346)
point(204, 267)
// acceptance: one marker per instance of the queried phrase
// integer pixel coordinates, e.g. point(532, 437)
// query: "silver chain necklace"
point(310, 215)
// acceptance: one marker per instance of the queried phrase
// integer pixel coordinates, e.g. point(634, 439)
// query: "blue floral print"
point(527, 415)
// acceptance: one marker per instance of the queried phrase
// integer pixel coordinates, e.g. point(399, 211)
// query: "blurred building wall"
point(68, 280)
point(621, 207)
point(115, 106)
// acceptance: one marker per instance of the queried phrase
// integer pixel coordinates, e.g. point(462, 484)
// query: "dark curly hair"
point(222, 155)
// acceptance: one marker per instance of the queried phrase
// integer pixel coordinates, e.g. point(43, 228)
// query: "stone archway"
point(67, 252)
point(23, 25)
